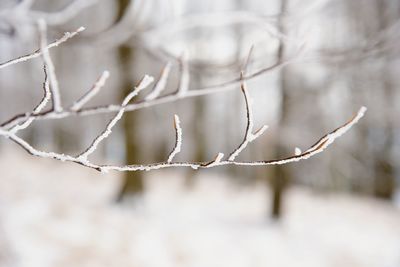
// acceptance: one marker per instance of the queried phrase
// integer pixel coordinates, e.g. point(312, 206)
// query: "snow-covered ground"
point(59, 214)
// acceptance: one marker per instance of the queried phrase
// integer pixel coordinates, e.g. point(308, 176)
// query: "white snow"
point(59, 214)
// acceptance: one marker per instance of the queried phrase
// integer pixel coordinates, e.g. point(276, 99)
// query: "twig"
point(38, 108)
point(161, 83)
point(146, 81)
point(101, 81)
point(55, 91)
point(178, 139)
point(185, 76)
point(37, 53)
point(217, 161)
point(249, 136)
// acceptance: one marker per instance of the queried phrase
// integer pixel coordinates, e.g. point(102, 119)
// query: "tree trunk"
point(280, 174)
point(133, 183)
point(384, 182)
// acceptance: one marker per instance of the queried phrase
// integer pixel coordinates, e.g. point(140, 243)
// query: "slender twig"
point(146, 81)
point(249, 136)
point(37, 53)
point(215, 162)
point(54, 88)
point(45, 99)
point(101, 81)
point(184, 77)
point(161, 83)
point(178, 139)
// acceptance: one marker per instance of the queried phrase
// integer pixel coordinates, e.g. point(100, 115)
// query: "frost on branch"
point(178, 141)
point(146, 81)
point(161, 84)
point(55, 91)
point(11, 127)
point(101, 81)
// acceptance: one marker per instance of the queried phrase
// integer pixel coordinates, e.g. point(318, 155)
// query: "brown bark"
point(280, 174)
point(133, 182)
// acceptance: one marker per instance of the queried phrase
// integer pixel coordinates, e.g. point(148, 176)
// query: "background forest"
point(339, 208)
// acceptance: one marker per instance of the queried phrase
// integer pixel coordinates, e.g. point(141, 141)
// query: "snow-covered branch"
point(146, 81)
point(185, 77)
point(153, 99)
point(101, 81)
point(178, 139)
point(54, 88)
point(161, 84)
point(38, 108)
point(38, 53)
point(10, 128)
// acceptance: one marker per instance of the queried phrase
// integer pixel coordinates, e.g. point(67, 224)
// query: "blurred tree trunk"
point(198, 130)
point(384, 182)
point(280, 174)
point(133, 183)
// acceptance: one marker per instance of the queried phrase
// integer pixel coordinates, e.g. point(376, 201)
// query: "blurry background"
point(340, 208)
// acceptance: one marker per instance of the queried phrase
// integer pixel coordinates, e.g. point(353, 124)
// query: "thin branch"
point(101, 81)
point(38, 53)
point(178, 139)
point(247, 62)
point(329, 138)
point(146, 81)
point(185, 76)
point(8, 129)
point(216, 162)
point(45, 99)
point(217, 88)
point(42, 154)
point(54, 88)
point(319, 147)
point(249, 136)
point(161, 83)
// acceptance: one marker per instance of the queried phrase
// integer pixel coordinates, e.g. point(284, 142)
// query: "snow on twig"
point(178, 139)
point(185, 76)
point(38, 53)
point(19, 122)
point(146, 81)
point(249, 135)
point(54, 88)
point(101, 81)
point(297, 151)
point(38, 108)
point(216, 162)
point(161, 83)
point(218, 88)
point(315, 149)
